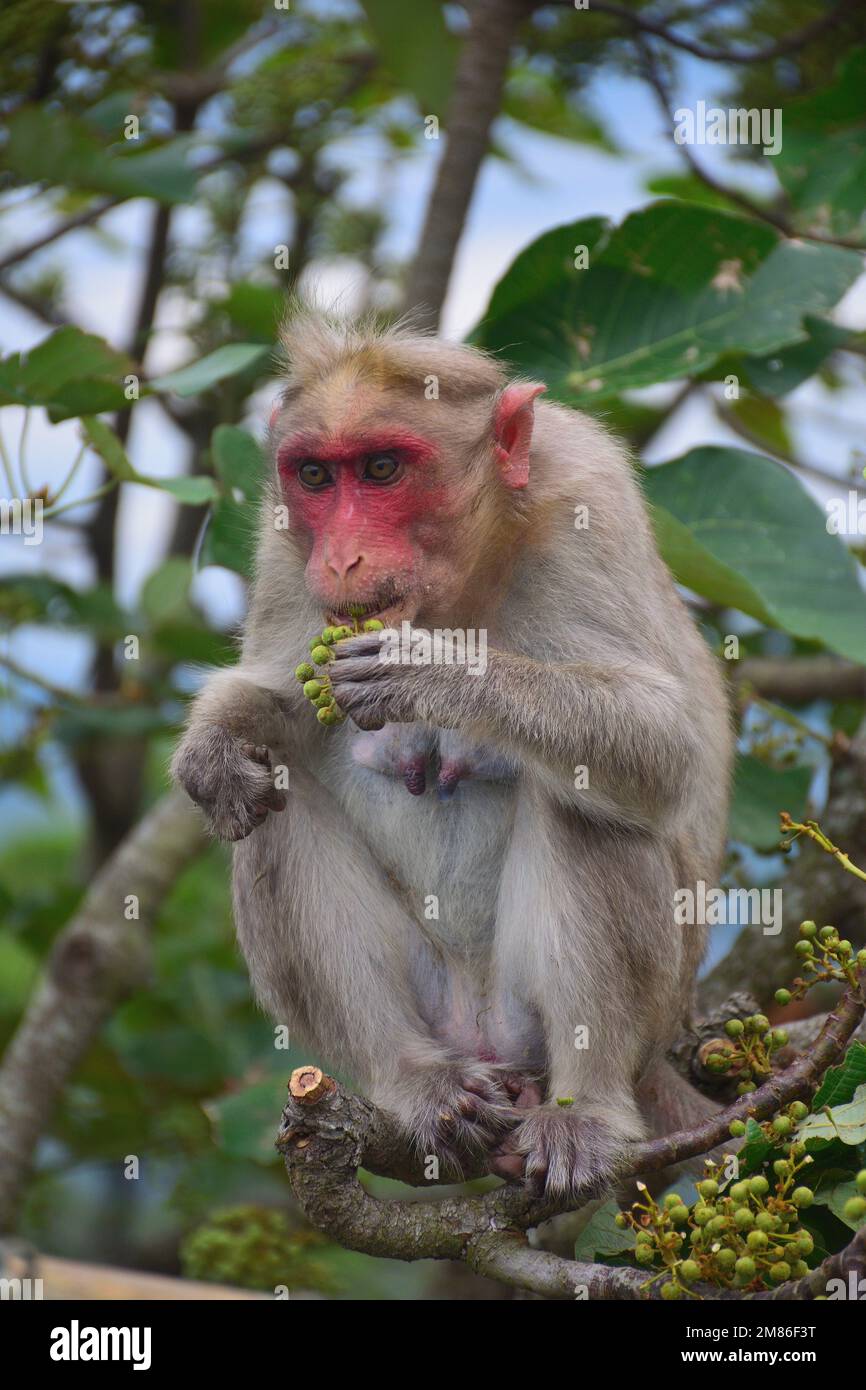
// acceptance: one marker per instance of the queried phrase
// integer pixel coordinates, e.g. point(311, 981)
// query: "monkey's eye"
point(314, 475)
point(381, 468)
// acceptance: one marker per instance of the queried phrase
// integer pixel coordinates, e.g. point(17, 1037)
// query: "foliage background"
point(264, 129)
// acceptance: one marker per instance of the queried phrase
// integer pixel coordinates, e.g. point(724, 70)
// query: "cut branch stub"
point(308, 1084)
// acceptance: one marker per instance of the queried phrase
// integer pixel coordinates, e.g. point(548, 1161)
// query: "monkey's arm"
point(622, 730)
point(236, 730)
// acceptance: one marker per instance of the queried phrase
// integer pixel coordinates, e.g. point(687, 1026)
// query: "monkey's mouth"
point(387, 607)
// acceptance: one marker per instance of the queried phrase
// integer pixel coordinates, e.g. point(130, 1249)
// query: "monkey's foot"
point(559, 1153)
point(232, 781)
point(458, 1109)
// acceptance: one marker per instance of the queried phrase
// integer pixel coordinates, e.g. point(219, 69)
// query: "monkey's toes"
point(464, 1111)
point(560, 1154)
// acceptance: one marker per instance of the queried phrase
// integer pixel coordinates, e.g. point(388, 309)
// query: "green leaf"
point(734, 515)
point(824, 175)
point(43, 147)
point(246, 1122)
point(104, 441)
point(822, 163)
point(786, 369)
point(165, 592)
point(209, 371)
point(760, 793)
point(840, 1083)
point(845, 1122)
point(754, 1148)
point(601, 1236)
point(255, 309)
point(416, 48)
point(834, 1189)
point(232, 530)
point(239, 460)
point(69, 373)
point(668, 292)
point(193, 491)
point(539, 270)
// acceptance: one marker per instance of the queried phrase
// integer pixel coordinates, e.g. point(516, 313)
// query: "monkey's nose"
point(343, 567)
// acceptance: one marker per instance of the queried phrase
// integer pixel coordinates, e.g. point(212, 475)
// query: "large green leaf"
point(822, 163)
point(841, 1082)
point(232, 530)
point(845, 1122)
point(416, 48)
point(43, 147)
point(210, 370)
point(602, 1237)
point(69, 373)
point(664, 296)
point(739, 529)
point(760, 793)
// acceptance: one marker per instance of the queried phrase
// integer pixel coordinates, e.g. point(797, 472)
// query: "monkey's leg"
point(333, 955)
point(603, 965)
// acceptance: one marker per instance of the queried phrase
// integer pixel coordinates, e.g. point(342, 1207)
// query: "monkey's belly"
point(444, 859)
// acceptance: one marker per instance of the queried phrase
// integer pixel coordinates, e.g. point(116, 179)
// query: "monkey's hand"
point(454, 1110)
point(374, 690)
point(560, 1153)
point(230, 779)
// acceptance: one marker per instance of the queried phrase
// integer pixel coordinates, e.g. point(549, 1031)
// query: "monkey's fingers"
point(505, 1162)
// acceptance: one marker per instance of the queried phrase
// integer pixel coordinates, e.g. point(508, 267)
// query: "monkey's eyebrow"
point(345, 448)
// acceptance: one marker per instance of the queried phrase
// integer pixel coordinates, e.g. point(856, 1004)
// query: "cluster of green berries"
point(746, 1236)
point(317, 684)
point(826, 957)
point(746, 1052)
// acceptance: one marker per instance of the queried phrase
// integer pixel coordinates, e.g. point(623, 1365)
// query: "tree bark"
point(481, 71)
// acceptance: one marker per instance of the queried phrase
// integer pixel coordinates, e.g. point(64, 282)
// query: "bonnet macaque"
point(464, 899)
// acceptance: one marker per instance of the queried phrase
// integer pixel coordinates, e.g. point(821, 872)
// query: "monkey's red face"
point(377, 517)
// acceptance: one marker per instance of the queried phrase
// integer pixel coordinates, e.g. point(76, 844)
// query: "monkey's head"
point(401, 460)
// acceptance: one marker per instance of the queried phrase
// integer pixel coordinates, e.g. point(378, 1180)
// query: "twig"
point(790, 44)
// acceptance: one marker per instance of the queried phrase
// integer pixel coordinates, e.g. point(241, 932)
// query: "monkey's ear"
point(512, 427)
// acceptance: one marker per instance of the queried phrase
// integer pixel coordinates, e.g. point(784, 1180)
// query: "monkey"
point(464, 899)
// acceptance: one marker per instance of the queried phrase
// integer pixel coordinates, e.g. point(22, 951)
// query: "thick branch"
point(99, 959)
point(802, 679)
point(475, 101)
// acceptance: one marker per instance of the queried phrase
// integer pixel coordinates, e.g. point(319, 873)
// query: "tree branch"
point(481, 70)
point(327, 1134)
point(99, 959)
point(790, 44)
